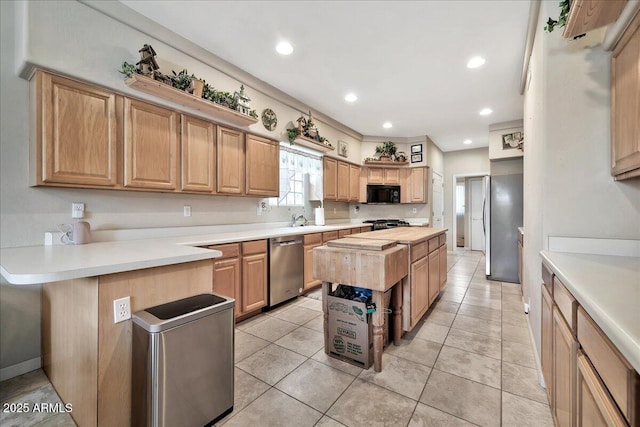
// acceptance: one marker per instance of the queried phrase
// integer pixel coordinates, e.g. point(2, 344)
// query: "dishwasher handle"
point(288, 243)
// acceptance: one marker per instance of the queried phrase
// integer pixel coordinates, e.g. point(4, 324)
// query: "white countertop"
point(608, 288)
point(41, 264)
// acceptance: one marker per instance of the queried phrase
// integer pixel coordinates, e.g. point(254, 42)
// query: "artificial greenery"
point(562, 19)
point(292, 134)
point(253, 113)
point(182, 80)
point(128, 69)
point(388, 147)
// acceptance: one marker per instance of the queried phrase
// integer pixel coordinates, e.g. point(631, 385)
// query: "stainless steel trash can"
point(182, 372)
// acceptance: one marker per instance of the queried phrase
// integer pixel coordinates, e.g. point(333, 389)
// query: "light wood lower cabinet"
point(546, 359)
point(310, 241)
point(434, 275)
point(151, 135)
point(419, 283)
point(75, 133)
point(443, 266)
point(594, 405)
point(565, 347)
point(262, 164)
point(254, 275)
point(227, 274)
point(230, 161)
point(198, 146)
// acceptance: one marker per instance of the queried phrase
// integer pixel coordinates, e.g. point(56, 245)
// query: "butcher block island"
point(409, 261)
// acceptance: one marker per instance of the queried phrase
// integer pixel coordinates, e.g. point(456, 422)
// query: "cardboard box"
point(349, 331)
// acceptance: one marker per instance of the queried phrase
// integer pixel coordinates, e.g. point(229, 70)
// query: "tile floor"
point(469, 362)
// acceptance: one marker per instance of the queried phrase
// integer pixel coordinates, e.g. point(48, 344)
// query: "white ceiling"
point(406, 60)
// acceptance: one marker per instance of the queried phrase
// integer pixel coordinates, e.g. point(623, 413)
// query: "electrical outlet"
point(186, 210)
point(77, 210)
point(121, 309)
point(334, 210)
point(414, 210)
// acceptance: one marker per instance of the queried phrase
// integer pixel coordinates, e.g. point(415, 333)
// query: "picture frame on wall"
point(343, 149)
point(416, 149)
point(416, 158)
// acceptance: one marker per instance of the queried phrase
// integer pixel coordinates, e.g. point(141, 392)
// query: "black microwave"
point(383, 194)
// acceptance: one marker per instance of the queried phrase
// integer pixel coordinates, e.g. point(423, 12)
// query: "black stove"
point(381, 224)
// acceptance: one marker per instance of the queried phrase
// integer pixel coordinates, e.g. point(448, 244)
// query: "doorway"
point(476, 213)
point(467, 215)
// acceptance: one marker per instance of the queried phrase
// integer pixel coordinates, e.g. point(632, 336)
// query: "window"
point(294, 165)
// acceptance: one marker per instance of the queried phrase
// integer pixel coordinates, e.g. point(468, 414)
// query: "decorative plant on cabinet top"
point(307, 134)
point(186, 89)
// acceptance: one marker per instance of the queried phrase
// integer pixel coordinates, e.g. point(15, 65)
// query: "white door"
point(477, 197)
point(438, 201)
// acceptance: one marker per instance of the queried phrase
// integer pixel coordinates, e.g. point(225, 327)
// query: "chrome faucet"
point(295, 218)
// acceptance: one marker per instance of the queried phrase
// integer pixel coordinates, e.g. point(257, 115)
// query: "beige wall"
point(568, 189)
point(461, 163)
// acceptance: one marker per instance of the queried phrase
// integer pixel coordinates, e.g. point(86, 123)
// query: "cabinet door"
point(198, 155)
point(594, 406)
point(230, 156)
point(417, 193)
point(330, 177)
point(150, 146)
point(375, 175)
point(625, 103)
point(434, 275)
point(309, 281)
point(565, 347)
point(547, 341)
point(76, 132)
point(392, 176)
point(254, 282)
point(443, 266)
point(263, 167)
point(354, 183)
point(343, 182)
point(419, 289)
point(226, 279)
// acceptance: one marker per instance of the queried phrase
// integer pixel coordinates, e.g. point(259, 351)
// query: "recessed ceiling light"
point(485, 111)
point(351, 97)
point(284, 48)
point(467, 141)
point(475, 62)
point(387, 125)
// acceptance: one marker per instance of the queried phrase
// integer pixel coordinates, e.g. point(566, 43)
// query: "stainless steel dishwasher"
point(286, 262)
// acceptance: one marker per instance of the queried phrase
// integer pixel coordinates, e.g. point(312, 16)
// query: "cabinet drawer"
point(616, 373)
point(254, 247)
point(329, 235)
point(566, 303)
point(547, 277)
point(418, 251)
point(312, 239)
point(231, 250)
point(342, 233)
point(365, 229)
point(433, 244)
point(442, 239)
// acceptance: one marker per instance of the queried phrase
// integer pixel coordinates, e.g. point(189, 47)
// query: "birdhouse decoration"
point(147, 64)
point(302, 124)
point(312, 130)
point(243, 101)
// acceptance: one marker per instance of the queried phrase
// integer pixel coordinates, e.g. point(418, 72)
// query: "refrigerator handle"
point(484, 216)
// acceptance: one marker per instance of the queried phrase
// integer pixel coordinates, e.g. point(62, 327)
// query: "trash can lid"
point(184, 306)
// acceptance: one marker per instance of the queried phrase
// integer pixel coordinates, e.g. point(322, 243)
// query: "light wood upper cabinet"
point(587, 15)
point(231, 161)
point(386, 176)
point(75, 132)
point(354, 183)
point(375, 176)
point(330, 178)
point(565, 347)
point(625, 104)
point(416, 185)
point(198, 155)
point(392, 176)
point(343, 182)
point(150, 146)
point(263, 162)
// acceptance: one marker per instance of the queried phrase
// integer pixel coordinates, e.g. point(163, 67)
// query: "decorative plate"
point(269, 119)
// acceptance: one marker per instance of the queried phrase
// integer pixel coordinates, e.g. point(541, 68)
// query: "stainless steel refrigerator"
point(502, 217)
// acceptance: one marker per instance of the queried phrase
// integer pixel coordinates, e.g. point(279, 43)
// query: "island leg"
point(377, 318)
point(396, 301)
point(326, 288)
